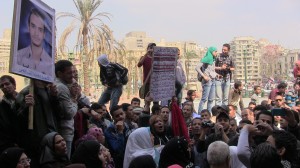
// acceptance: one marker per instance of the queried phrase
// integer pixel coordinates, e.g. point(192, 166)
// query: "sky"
point(207, 22)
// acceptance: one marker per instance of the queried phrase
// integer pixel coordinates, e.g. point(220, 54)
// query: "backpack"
point(123, 80)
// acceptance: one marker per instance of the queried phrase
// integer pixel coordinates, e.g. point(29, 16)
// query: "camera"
point(207, 124)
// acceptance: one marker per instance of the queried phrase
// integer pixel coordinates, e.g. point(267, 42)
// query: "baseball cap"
point(225, 108)
point(222, 114)
point(103, 60)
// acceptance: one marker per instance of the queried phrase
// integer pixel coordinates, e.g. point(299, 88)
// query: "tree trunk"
point(86, 80)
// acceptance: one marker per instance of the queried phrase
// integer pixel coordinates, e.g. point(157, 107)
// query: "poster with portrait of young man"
point(33, 40)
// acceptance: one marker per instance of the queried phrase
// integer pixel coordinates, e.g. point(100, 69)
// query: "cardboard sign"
point(162, 86)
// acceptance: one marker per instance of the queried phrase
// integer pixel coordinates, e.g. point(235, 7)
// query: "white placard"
point(162, 86)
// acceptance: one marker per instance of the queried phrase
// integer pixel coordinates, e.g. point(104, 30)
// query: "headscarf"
point(48, 154)
point(209, 58)
point(10, 157)
point(87, 153)
point(138, 143)
point(175, 152)
point(144, 161)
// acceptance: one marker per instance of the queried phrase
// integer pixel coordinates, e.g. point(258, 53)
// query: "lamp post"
point(245, 70)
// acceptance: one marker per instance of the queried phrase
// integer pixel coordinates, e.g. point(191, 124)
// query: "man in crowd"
point(280, 90)
point(218, 155)
point(7, 116)
point(255, 96)
point(235, 95)
point(180, 79)
point(224, 67)
point(135, 102)
point(112, 76)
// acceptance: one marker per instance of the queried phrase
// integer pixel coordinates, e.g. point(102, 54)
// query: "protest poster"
point(33, 40)
point(162, 86)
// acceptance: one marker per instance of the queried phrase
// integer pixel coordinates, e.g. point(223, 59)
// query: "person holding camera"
point(224, 67)
point(221, 133)
point(146, 63)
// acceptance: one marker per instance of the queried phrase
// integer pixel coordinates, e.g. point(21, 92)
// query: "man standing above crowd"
point(112, 76)
point(224, 67)
point(280, 90)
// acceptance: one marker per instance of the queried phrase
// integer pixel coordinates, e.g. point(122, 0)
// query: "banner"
point(162, 86)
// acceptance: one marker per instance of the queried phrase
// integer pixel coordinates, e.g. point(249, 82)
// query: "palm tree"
point(94, 36)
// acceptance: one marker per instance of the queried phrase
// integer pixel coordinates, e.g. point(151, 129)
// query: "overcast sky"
point(208, 22)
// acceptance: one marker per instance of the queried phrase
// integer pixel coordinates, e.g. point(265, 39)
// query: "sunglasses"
point(278, 100)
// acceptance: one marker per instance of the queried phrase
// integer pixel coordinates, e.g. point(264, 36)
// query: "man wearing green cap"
point(206, 69)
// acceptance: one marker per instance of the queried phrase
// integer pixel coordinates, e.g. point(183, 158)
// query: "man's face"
point(187, 112)
point(224, 122)
point(282, 90)
point(75, 73)
point(245, 114)
point(129, 113)
point(36, 30)
point(164, 113)
point(251, 107)
point(135, 104)
point(240, 88)
point(205, 116)
point(232, 112)
point(258, 90)
point(100, 112)
point(233, 126)
point(7, 87)
point(192, 96)
point(196, 126)
point(67, 75)
point(266, 119)
point(283, 123)
point(225, 50)
point(297, 87)
point(279, 101)
point(119, 115)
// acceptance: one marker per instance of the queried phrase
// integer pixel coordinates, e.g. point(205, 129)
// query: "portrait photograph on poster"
point(33, 40)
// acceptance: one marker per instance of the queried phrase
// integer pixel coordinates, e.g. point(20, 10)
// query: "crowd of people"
point(70, 131)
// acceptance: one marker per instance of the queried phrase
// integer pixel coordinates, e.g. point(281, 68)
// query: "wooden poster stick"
point(30, 114)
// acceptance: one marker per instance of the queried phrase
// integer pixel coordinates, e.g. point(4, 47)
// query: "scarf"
point(209, 58)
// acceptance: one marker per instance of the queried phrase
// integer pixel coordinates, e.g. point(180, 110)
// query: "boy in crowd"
point(255, 96)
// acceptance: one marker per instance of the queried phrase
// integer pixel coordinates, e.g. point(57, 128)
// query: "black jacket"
point(112, 74)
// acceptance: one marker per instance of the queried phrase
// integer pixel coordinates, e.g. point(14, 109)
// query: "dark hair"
point(36, 12)
point(265, 155)
point(190, 92)
point(245, 122)
point(256, 86)
point(61, 65)
point(145, 161)
point(114, 109)
point(151, 45)
point(265, 112)
point(125, 106)
point(196, 118)
point(281, 85)
point(205, 111)
point(253, 103)
point(288, 141)
point(227, 45)
point(155, 108)
point(232, 119)
point(96, 106)
point(260, 108)
point(192, 108)
point(237, 84)
point(9, 78)
point(135, 99)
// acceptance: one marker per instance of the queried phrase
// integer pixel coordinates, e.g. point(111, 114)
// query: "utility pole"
point(245, 71)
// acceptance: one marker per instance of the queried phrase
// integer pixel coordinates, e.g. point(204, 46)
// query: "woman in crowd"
point(158, 130)
point(54, 151)
point(144, 161)
point(176, 151)
point(139, 143)
point(88, 153)
point(14, 158)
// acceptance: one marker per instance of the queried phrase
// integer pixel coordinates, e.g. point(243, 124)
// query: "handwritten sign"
point(162, 86)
